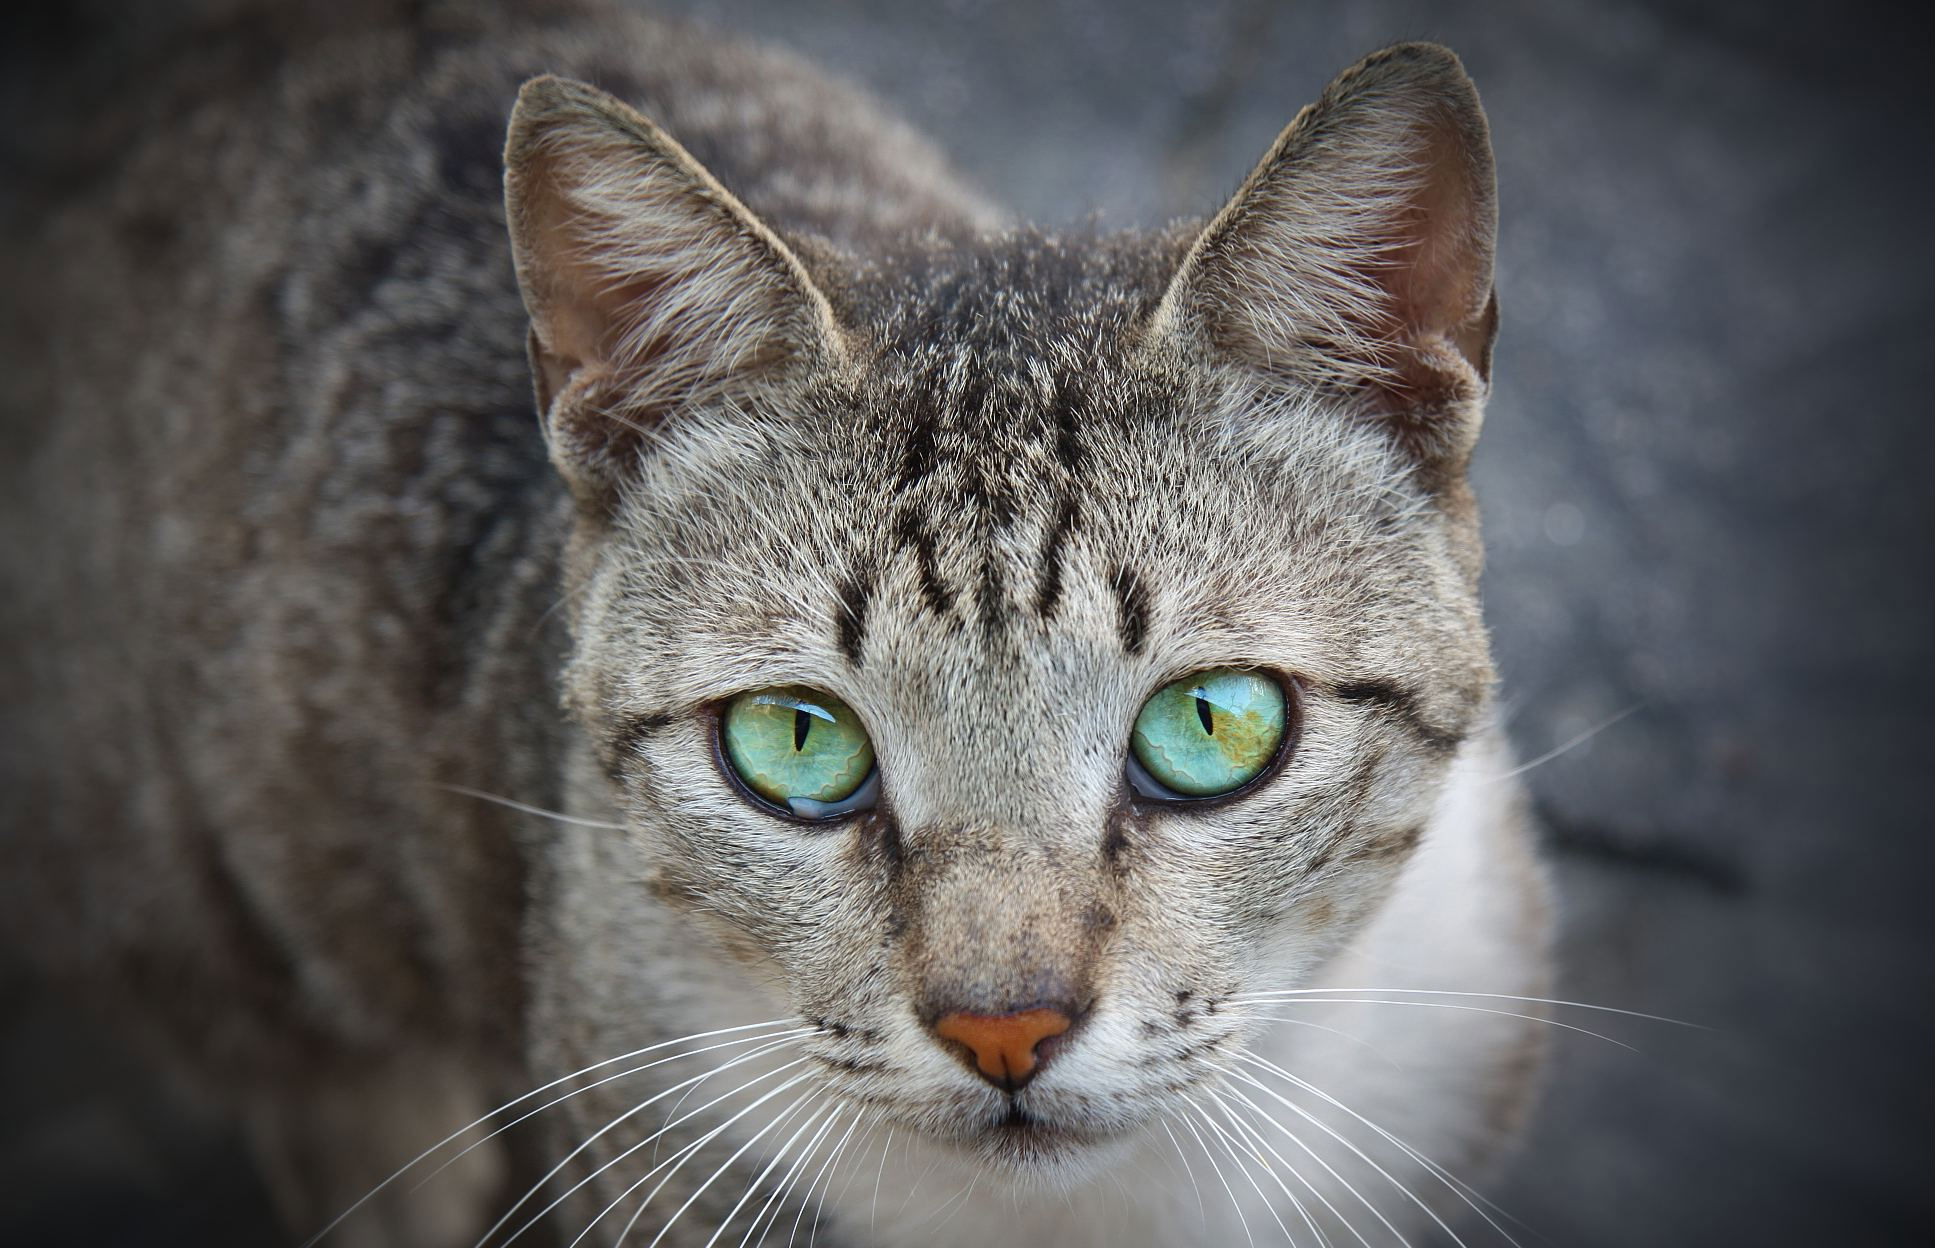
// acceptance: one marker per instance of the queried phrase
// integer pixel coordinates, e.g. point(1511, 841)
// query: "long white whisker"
point(794, 1173)
point(1274, 994)
point(1572, 744)
point(833, 1168)
point(677, 1160)
point(915, 1186)
point(873, 1210)
point(1327, 1129)
point(1459, 1187)
point(769, 1045)
point(1230, 1146)
point(959, 1201)
point(468, 1127)
point(806, 1197)
point(1202, 1214)
point(779, 1155)
point(1359, 1041)
point(692, 1086)
point(1315, 1156)
point(873, 1123)
point(1448, 1005)
point(871, 1117)
point(720, 1169)
point(1255, 1140)
point(777, 1040)
point(527, 808)
point(1218, 1169)
point(567, 1193)
point(874, 1118)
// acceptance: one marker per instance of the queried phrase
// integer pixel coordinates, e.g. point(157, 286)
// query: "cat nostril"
point(1004, 1044)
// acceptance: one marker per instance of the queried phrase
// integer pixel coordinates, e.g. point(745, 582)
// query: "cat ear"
point(1358, 254)
point(650, 287)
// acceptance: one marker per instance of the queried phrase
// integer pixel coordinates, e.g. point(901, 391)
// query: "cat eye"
point(800, 750)
point(1208, 734)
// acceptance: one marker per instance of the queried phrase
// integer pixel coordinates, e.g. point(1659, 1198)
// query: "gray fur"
point(289, 559)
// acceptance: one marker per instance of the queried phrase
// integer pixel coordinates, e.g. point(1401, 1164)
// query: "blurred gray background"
point(1707, 482)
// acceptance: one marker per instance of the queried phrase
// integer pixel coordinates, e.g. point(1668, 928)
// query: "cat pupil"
point(802, 724)
point(1202, 713)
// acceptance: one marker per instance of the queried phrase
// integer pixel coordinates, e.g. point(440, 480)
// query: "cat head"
point(1011, 648)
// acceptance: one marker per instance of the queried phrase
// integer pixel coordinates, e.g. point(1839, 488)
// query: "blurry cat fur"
point(295, 571)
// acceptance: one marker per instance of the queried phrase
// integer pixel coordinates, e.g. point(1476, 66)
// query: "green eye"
point(798, 748)
point(1209, 733)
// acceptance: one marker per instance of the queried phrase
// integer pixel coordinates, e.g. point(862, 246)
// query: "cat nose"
point(1004, 1045)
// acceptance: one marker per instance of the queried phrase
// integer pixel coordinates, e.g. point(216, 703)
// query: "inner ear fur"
point(1357, 256)
point(650, 287)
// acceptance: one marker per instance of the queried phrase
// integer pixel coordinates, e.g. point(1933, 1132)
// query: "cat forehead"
point(1023, 299)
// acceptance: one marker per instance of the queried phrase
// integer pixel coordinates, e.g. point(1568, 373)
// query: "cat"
point(958, 733)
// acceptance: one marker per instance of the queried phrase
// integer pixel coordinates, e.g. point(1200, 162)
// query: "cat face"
point(974, 505)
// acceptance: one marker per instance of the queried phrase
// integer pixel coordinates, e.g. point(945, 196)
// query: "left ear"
point(652, 290)
point(1357, 257)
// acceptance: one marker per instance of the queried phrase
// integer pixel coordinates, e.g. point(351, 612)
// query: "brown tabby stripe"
point(1048, 594)
point(1402, 705)
point(850, 615)
point(1132, 614)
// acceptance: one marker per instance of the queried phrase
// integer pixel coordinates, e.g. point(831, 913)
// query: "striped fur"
point(808, 412)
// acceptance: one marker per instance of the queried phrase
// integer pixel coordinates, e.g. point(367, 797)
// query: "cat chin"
point(1032, 1152)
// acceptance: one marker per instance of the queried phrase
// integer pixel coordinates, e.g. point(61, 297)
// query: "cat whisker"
point(775, 1206)
point(458, 1134)
point(768, 1044)
point(778, 1038)
point(716, 1171)
point(915, 1186)
point(672, 1111)
point(1221, 1178)
point(677, 1160)
point(759, 1180)
point(1327, 1129)
point(527, 808)
point(1294, 1138)
point(814, 1123)
point(806, 1196)
point(873, 1210)
point(1359, 1041)
point(1194, 1186)
point(832, 1168)
point(1258, 1140)
point(1237, 1154)
point(957, 1202)
point(1444, 992)
point(1472, 1197)
point(1566, 747)
point(537, 625)
point(873, 1118)
point(1446, 1005)
point(614, 1123)
point(1360, 1154)
point(798, 1171)
point(1463, 1190)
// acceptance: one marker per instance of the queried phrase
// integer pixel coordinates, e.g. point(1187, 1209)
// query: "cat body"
point(298, 585)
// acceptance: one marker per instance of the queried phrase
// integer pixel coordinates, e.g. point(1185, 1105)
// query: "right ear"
point(650, 288)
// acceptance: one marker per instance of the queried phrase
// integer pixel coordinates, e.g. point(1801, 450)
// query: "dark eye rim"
point(1293, 695)
point(713, 716)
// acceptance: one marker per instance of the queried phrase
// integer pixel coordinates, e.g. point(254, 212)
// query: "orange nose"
point(1004, 1044)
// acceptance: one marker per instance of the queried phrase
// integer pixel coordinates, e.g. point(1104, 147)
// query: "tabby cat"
point(959, 734)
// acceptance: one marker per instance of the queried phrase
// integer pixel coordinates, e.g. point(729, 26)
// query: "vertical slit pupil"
point(802, 724)
point(1202, 713)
